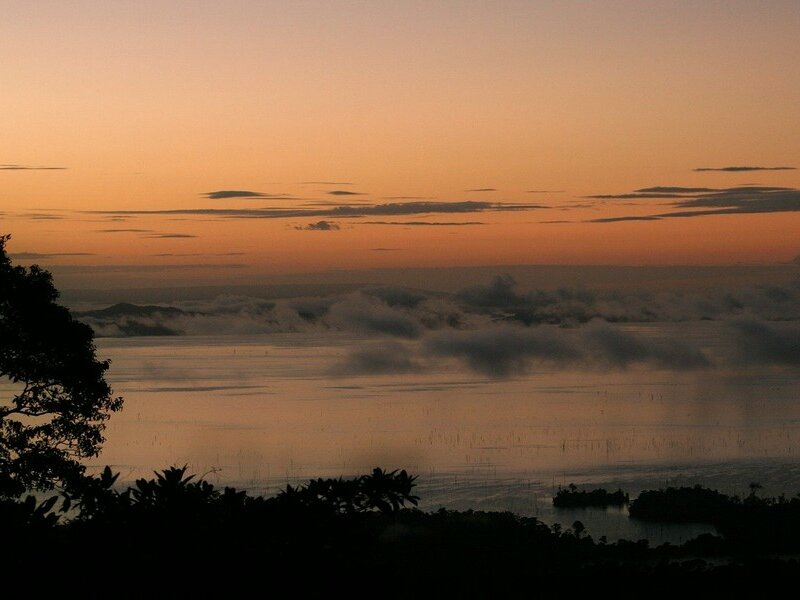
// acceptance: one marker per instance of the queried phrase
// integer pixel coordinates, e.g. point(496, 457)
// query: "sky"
point(200, 139)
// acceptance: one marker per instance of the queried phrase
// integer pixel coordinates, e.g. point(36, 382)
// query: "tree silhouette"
point(57, 418)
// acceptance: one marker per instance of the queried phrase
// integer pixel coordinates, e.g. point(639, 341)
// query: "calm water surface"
point(257, 412)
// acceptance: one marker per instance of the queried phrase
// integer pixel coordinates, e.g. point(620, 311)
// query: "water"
point(257, 412)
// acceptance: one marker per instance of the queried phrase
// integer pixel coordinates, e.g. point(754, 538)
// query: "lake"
point(259, 411)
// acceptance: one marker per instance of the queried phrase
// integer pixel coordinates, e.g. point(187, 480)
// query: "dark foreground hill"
point(175, 537)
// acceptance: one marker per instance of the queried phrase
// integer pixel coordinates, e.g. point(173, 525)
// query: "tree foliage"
point(386, 492)
point(57, 417)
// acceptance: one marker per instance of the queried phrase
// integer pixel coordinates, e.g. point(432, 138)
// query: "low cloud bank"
point(509, 350)
point(756, 342)
point(498, 330)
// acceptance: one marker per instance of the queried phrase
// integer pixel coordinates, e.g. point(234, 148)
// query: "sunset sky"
point(291, 137)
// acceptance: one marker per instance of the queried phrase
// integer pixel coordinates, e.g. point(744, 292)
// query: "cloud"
point(413, 208)
point(747, 198)
point(30, 168)
point(503, 302)
point(757, 342)
point(739, 169)
point(172, 254)
point(377, 359)
point(606, 344)
point(674, 189)
point(544, 191)
point(34, 255)
point(344, 193)
point(410, 314)
point(342, 211)
point(223, 194)
point(381, 311)
point(396, 296)
point(501, 351)
point(619, 219)
point(506, 351)
point(369, 315)
point(320, 226)
point(482, 190)
point(500, 293)
point(40, 216)
point(634, 195)
point(148, 233)
point(498, 330)
point(727, 201)
point(423, 223)
point(509, 351)
point(168, 235)
point(397, 249)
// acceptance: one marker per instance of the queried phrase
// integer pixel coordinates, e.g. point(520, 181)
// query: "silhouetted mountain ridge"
point(126, 309)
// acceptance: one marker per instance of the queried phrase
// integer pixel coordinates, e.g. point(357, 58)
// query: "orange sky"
point(148, 106)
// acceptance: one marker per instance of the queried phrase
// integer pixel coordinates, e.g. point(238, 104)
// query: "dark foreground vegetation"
point(176, 536)
point(753, 523)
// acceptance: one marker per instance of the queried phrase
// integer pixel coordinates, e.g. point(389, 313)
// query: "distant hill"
point(126, 309)
point(132, 320)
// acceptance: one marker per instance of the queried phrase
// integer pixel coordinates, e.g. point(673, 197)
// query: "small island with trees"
point(571, 497)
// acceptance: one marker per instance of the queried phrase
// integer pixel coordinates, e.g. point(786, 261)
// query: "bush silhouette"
point(380, 491)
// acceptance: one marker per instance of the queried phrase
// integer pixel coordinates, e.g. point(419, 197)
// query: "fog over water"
point(258, 411)
point(494, 391)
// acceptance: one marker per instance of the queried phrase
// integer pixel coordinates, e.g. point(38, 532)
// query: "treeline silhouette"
point(194, 538)
point(571, 496)
point(752, 523)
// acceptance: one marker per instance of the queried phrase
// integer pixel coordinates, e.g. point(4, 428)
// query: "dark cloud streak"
point(729, 201)
point(674, 189)
point(30, 168)
point(35, 255)
point(223, 194)
point(343, 211)
point(423, 223)
point(169, 235)
point(744, 169)
point(178, 254)
point(634, 195)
